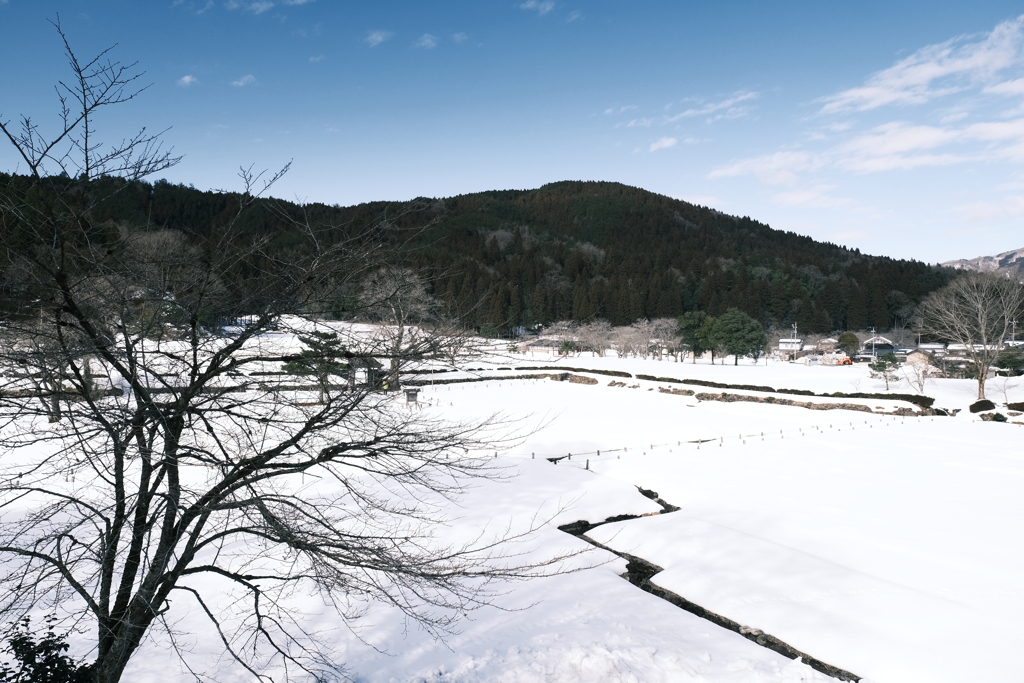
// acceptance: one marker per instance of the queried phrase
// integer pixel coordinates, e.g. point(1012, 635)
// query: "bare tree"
point(565, 334)
point(174, 466)
point(397, 298)
point(595, 336)
point(976, 311)
point(664, 336)
point(917, 372)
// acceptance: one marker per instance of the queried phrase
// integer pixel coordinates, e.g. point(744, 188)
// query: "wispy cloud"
point(460, 37)
point(816, 196)
point(977, 212)
point(663, 143)
point(896, 145)
point(187, 5)
point(936, 70)
point(316, 58)
point(426, 41)
point(1013, 87)
point(542, 7)
point(187, 80)
point(731, 108)
point(612, 111)
point(771, 169)
point(375, 38)
point(258, 7)
point(574, 16)
point(297, 2)
point(245, 80)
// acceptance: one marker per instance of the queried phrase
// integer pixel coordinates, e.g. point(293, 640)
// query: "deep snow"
point(883, 545)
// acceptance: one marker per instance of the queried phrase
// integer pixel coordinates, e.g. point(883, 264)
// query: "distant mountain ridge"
point(570, 250)
point(1009, 263)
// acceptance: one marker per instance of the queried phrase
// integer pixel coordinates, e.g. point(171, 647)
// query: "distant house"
point(962, 349)
point(937, 349)
point(877, 346)
point(827, 345)
point(791, 344)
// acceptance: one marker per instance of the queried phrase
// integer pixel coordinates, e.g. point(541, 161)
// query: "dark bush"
point(40, 661)
point(610, 373)
point(982, 405)
point(1016, 406)
point(923, 401)
point(720, 385)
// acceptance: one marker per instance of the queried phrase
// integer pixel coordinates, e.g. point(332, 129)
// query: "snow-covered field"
point(884, 545)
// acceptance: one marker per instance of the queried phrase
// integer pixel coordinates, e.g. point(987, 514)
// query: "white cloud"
point(260, 7)
point(542, 6)
point(663, 143)
point(897, 145)
point(460, 37)
point(297, 2)
point(771, 169)
point(426, 41)
point(1008, 207)
point(1014, 87)
point(375, 38)
point(898, 137)
point(573, 16)
point(644, 122)
point(936, 70)
point(247, 79)
point(817, 196)
point(316, 58)
point(727, 108)
point(612, 111)
point(187, 80)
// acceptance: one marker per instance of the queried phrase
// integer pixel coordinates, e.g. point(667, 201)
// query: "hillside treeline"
point(566, 251)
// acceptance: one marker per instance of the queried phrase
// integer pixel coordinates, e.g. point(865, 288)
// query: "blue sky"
point(896, 128)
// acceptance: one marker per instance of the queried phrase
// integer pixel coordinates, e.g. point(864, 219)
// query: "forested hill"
point(586, 250)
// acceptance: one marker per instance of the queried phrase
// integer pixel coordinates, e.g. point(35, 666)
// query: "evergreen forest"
point(566, 251)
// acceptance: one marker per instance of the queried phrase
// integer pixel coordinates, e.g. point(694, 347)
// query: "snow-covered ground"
point(887, 546)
